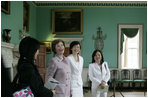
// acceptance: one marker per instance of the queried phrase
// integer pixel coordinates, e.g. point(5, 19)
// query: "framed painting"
point(48, 46)
point(26, 16)
point(5, 7)
point(67, 21)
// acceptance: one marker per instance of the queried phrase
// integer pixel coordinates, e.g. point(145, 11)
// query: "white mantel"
point(69, 39)
point(9, 52)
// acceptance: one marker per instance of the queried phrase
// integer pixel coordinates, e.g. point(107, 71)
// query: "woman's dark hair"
point(54, 44)
point(73, 44)
point(94, 54)
point(27, 49)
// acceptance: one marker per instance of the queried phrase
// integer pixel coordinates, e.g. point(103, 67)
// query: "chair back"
point(115, 74)
point(125, 74)
point(137, 74)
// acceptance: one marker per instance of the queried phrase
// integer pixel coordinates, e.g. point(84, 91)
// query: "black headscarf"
point(27, 49)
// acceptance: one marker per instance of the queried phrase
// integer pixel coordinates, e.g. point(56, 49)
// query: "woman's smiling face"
point(98, 57)
point(59, 48)
point(76, 49)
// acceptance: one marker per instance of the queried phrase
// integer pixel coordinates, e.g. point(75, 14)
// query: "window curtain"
point(125, 52)
point(129, 32)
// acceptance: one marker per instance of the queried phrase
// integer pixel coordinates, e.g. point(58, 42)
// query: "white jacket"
point(76, 71)
point(96, 76)
point(76, 78)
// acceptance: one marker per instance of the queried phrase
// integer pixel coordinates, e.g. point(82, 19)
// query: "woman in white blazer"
point(76, 62)
point(99, 74)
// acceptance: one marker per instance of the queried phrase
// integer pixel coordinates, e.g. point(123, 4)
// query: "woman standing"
point(76, 62)
point(59, 69)
point(27, 70)
point(99, 74)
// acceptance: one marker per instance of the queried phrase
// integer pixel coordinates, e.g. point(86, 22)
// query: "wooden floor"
point(128, 93)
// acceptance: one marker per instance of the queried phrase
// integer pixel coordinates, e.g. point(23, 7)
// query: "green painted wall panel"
point(13, 21)
point(32, 20)
point(43, 23)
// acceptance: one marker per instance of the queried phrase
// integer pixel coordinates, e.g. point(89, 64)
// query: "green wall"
point(32, 21)
point(14, 20)
point(93, 17)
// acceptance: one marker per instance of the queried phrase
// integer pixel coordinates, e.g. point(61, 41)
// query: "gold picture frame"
point(26, 16)
point(5, 7)
point(67, 21)
point(48, 46)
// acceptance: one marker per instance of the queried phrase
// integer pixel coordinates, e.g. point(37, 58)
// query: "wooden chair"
point(137, 77)
point(115, 81)
point(125, 77)
point(115, 76)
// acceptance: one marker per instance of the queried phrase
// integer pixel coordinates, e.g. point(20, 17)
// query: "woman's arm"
point(107, 75)
point(50, 70)
point(38, 86)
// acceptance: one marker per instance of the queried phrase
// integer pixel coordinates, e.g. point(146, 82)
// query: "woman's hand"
point(53, 91)
point(103, 85)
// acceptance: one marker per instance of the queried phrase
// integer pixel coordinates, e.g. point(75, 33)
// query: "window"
point(130, 46)
point(129, 56)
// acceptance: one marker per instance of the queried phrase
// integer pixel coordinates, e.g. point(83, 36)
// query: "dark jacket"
point(29, 76)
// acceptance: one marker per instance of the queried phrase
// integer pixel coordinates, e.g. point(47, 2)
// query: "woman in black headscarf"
point(27, 71)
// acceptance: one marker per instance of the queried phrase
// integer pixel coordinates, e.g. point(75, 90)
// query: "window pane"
point(130, 53)
point(132, 58)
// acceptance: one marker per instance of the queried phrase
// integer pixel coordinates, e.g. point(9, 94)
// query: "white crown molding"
point(37, 2)
point(92, 3)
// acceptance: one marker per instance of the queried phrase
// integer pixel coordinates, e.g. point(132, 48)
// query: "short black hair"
point(94, 53)
point(73, 44)
point(56, 42)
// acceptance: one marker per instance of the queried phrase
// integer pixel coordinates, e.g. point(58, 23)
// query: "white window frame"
point(140, 27)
